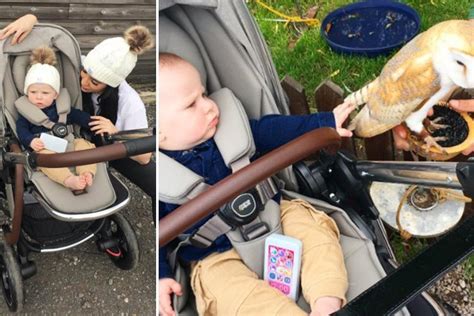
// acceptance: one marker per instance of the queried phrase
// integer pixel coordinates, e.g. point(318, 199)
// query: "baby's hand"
point(37, 144)
point(325, 305)
point(341, 112)
point(167, 287)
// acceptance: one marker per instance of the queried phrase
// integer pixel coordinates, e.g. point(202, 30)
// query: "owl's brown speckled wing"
point(404, 83)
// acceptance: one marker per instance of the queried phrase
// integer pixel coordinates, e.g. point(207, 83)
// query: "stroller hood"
point(14, 62)
point(253, 63)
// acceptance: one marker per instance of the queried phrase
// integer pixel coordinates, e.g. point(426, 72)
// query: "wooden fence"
point(92, 21)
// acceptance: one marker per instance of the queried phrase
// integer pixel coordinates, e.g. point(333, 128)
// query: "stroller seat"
point(100, 199)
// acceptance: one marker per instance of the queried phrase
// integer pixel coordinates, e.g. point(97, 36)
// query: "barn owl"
point(425, 71)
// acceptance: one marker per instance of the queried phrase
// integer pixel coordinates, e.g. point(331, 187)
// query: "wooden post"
point(295, 92)
point(91, 21)
point(327, 96)
point(379, 147)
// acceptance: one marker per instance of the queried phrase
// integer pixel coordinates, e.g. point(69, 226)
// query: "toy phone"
point(54, 143)
point(283, 263)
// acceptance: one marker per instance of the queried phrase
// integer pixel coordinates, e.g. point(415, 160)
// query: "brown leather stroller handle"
point(225, 190)
point(99, 154)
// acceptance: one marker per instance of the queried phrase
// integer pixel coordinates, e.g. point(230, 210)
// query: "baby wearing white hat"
point(42, 87)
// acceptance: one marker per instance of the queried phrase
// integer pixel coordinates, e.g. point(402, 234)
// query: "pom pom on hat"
point(42, 69)
point(112, 60)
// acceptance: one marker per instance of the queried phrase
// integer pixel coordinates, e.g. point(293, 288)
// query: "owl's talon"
point(431, 141)
point(444, 103)
point(434, 125)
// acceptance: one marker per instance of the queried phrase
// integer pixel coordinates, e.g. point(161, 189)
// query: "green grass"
point(306, 57)
point(469, 270)
point(310, 60)
point(406, 250)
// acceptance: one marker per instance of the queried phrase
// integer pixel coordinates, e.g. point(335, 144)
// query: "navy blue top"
point(27, 131)
point(269, 132)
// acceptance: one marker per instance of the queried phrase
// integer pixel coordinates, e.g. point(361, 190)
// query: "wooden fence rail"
point(92, 21)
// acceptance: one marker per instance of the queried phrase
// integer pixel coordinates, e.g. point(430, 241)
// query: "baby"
point(42, 86)
point(221, 282)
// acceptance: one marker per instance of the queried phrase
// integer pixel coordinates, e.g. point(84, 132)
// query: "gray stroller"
point(221, 39)
point(42, 216)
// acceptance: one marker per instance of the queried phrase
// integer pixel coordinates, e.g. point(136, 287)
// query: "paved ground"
point(82, 281)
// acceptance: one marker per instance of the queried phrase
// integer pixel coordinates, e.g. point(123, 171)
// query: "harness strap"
point(211, 230)
point(267, 189)
point(63, 105)
point(207, 233)
point(254, 229)
point(62, 118)
point(216, 226)
point(202, 238)
point(201, 187)
point(178, 184)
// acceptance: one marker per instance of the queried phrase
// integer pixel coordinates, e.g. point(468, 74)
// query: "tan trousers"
point(223, 285)
point(60, 174)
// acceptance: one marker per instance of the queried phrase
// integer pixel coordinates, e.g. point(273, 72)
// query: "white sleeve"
point(131, 113)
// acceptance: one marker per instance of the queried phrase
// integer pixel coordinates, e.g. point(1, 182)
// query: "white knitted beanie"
point(112, 60)
point(42, 69)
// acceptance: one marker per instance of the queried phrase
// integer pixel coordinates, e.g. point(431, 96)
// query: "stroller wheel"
point(125, 254)
point(12, 282)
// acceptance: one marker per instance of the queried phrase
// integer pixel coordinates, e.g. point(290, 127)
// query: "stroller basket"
point(40, 227)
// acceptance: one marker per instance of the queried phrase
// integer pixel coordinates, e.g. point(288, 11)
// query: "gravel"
point(456, 290)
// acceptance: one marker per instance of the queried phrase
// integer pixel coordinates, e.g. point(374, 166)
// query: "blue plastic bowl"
point(370, 28)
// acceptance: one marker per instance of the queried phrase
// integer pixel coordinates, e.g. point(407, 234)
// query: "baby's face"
point(187, 116)
point(42, 95)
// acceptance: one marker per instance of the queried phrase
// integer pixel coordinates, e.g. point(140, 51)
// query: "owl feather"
point(410, 79)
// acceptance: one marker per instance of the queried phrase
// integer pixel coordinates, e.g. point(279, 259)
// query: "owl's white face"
point(459, 67)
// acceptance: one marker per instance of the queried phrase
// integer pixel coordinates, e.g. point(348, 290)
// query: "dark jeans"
point(144, 176)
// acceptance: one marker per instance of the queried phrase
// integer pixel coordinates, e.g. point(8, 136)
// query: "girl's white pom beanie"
point(111, 61)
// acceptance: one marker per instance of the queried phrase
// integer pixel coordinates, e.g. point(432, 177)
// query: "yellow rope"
point(448, 194)
point(289, 19)
point(443, 195)
point(404, 233)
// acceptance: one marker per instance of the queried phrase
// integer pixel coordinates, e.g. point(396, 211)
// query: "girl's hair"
point(108, 103)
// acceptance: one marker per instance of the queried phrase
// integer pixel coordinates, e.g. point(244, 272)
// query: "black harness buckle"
point(243, 209)
point(60, 130)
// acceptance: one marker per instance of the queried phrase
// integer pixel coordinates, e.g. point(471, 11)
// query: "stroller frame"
point(27, 205)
